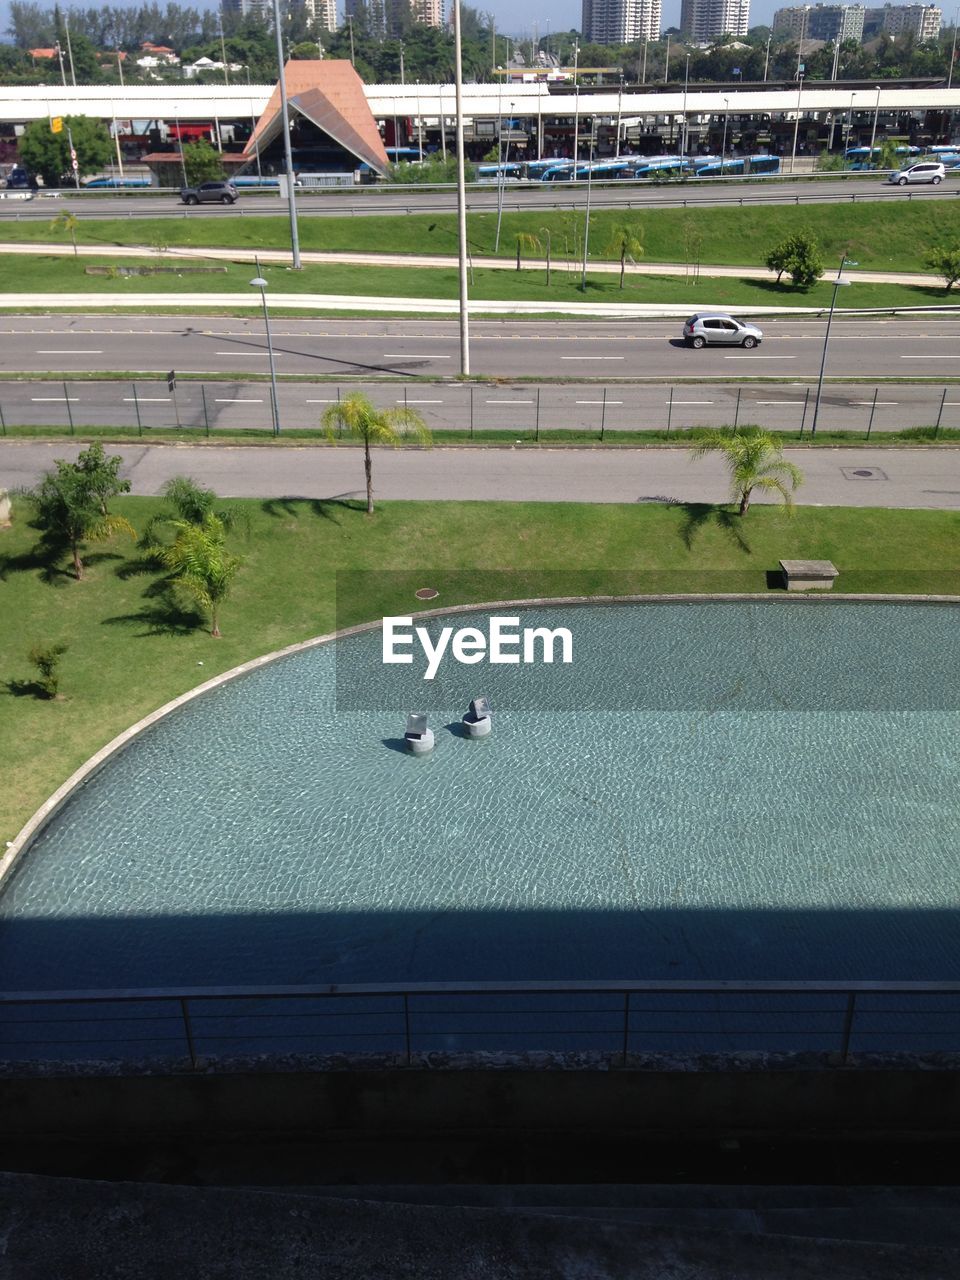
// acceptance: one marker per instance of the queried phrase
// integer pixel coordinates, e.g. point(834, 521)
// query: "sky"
point(562, 15)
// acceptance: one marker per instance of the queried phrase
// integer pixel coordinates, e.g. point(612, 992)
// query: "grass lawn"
point(44, 274)
point(131, 648)
point(881, 235)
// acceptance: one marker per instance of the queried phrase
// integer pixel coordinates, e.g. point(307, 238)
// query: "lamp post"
point(258, 282)
point(876, 116)
point(666, 62)
point(285, 126)
point(837, 285)
point(953, 50)
point(723, 145)
point(461, 195)
point(849, 121)
point(576, 110)
point(686, 85)
point(766, 60)
point(796, 124)
point(619, 114)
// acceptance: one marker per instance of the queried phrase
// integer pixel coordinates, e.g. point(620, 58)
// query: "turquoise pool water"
point(714, 790)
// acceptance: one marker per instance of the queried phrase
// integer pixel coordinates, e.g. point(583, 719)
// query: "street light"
point(796, 124)
point(723, 145)
point(461, 194)
point(849, 122)
point(686, 85)
point(837, 285)
point(258, 282)
point(287, 152)
point(953, 51)
point(876, 116)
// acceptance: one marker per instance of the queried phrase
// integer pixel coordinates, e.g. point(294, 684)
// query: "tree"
point(202, 162)
point(799, 254)
point(373, 426)
point(190, 504)
point(46, 658)
point(48, 154)
point(945, 261)
point(755, 461)
point(525, 241)
point(625, 242)
point(67, 221)
point(201, 564)
point(70, 504)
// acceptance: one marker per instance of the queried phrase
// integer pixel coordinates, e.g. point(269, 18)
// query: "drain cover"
point(864, 473)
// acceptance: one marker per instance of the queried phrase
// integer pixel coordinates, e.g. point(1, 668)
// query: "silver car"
point(927, 171)
point(716, 327)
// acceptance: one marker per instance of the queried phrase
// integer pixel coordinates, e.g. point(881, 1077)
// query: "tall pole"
point(723, 145)
point(686, 85)
point(826, 338)
point(223, 48)
point(116, 143)
point(461, 198)
point(120, 68)
point(576, 109)
point(836, 60)
point(766, 60)
point(73, 162)
point(66, 27)
point(261, 284)
point(953, 50)
point(849, 121)
point(287, 152)
point(353, 56)
point(63, 74)
point(256, 140)
point(876, 116)
point(803, 31)
point(183, 163)
point(643, 73)
point(796, 126)
point(586, 223)
point(619, 113)
point(666, 62)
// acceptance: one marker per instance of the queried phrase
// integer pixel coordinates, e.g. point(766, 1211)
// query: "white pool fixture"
point(418, 737)
point(477, 722)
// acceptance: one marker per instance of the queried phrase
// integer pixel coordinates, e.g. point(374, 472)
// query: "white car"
point(926, 171)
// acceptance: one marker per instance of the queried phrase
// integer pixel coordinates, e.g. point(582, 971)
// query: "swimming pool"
point(726, 790)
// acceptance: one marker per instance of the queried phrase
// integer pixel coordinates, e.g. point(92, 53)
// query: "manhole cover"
point(864, 473)
point(426, 593)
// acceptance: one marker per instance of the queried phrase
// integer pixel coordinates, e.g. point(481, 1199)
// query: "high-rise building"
point(919, 20)
point(323, 13)
point(620, 21)
point(834, 22)
point(389, 17)
point(708, 19)
point(247, 8)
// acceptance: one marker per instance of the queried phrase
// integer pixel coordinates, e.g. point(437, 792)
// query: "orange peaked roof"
point(330, 93)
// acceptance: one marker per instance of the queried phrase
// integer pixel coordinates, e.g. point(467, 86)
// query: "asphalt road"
point(388, 200)
point(865, 477)
point(924, 346)
point(519, 407)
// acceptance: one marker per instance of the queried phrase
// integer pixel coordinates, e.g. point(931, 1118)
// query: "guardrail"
point(618, 1021)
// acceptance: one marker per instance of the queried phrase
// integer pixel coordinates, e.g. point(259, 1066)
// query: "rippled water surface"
point(734, 790)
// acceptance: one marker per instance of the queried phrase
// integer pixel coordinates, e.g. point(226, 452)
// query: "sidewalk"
point(448, 262)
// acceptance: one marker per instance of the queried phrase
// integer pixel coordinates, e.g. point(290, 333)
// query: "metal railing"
point(617, 1022)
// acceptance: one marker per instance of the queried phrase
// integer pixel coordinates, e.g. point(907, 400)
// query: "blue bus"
point(497, 171)
point(666, 166)
point(736, 168)
point(405, 154)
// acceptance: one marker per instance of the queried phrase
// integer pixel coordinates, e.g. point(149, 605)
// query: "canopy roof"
point(330, 94)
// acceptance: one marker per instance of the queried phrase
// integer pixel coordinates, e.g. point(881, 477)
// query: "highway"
point(532, 196)
point(489, 406)
point(610, 351)
point(865, 477)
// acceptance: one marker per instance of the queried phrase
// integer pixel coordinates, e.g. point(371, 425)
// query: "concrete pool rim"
point(51, 807)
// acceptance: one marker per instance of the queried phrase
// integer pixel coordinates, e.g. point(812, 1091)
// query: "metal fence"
point(619, 1022)
point(526, 409)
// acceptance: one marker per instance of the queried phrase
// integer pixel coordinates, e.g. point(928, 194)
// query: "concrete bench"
point(809, 575)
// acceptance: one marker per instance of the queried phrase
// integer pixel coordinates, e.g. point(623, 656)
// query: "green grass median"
point(882, 235)
point(44, 274)
point(130, 649)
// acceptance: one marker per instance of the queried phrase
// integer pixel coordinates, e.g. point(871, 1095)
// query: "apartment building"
point(620, 21)
point(919, 20)
point(831, 22)
point(707, 19)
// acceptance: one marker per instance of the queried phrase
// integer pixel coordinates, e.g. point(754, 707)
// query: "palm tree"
point(67, 221)
point(201, 563)
point(755, 461)
point(374, 426)
point(625, 242)
point(525, 241)
point(190, 503)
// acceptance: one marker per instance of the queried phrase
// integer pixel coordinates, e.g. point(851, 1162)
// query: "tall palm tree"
point(67, 221)
point(201, 563)
point(755, 461)
point(373, 426)
point(626, 243)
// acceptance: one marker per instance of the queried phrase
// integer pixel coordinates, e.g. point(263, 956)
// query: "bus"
point(496, 172)
point(737, 168)
point(405, 155)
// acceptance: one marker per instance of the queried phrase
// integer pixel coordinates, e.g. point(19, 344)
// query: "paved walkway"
point(447, 262)
point(833, 477)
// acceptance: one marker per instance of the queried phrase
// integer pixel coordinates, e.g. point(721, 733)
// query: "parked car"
point(19, 180)
point(926, 171)
point(209, 193)
point(715, 327)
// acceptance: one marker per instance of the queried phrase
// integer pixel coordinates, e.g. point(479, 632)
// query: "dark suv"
point(209, 193)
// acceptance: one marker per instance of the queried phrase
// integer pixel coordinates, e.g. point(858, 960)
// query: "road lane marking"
point(688, 402)
point(237, 400)
point(68, 353)
point(146, 399)
point(928, 357)
point(58, 399)
point(322, 402)
point(780, 402)
point(508, 402)
point(238, 354)
point(598, 402)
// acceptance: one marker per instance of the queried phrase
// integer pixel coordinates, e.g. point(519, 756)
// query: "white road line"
point(68, 353)
point(508, 402)
point(598, 402)
point(928, 357)
point(321, 401)
point(146, 400)
point(238, 400)
point(779, 402)
point(48, 399)
point(689, 402)
point(238, 354)
point(418, 402)
point(412, 355)
point(877, 402)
